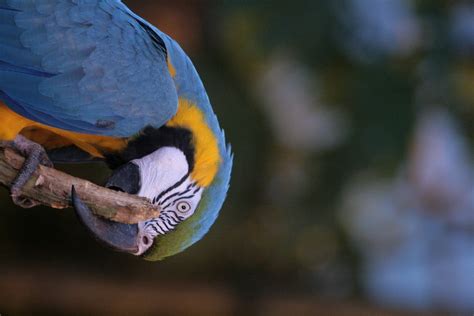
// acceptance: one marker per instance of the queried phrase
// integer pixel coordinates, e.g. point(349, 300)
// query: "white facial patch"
point(162, 181)
point(176, 205)
point(161, 170)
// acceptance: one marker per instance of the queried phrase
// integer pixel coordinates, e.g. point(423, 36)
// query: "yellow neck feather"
point(206, 157)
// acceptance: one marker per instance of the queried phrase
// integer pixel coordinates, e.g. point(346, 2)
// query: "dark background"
point(352, 189)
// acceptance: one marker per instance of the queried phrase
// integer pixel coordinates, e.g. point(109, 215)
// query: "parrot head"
point(183, 168)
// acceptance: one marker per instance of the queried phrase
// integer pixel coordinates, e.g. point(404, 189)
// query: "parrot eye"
point(183, 207)
point(145, 240)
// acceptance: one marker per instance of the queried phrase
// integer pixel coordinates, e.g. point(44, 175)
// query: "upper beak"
point(119, 236)
point(125, 178)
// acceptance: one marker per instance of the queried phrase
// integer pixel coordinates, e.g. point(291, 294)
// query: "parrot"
point(90, 80)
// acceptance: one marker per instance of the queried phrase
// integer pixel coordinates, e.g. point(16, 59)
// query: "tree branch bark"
point(53, 188)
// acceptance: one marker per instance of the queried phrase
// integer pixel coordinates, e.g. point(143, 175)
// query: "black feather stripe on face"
point(151, 139)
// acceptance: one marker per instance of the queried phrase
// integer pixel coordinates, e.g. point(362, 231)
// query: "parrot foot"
point(34, 155)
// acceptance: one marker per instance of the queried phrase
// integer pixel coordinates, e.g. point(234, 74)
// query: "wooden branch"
point(53, 188)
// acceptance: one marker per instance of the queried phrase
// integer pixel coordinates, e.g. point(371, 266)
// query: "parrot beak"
point(125, 178)
point(119, 236)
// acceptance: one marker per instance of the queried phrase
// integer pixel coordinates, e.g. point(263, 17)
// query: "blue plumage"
point(83, 62)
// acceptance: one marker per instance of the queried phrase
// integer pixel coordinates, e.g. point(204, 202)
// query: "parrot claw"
point(118, 236)
point(34, 156)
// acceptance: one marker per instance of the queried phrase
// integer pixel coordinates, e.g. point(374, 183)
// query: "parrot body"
point(90, 76)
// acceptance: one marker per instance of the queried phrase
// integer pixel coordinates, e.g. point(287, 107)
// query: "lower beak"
point(119, 236)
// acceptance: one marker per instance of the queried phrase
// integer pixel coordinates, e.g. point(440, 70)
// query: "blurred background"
point(353, 186)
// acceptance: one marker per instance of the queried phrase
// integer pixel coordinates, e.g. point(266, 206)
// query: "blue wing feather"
point(72, 64)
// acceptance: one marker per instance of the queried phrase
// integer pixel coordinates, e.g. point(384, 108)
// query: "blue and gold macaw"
point(89, 79)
